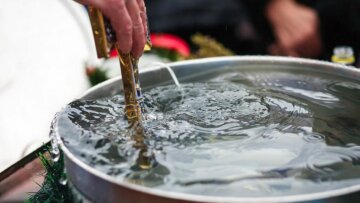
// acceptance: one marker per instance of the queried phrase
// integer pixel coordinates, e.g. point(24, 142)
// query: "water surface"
point(252, 134)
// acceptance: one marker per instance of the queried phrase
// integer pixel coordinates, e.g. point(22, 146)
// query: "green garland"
point(52, 189)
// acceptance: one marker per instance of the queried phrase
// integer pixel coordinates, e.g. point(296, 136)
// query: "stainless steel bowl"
point(99, 187)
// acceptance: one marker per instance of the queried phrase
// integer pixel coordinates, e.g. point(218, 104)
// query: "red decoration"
point(165, 41)
point(113, 53)
point(170, 42)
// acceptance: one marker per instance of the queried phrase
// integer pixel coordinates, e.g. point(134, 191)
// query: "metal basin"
point(99, 187)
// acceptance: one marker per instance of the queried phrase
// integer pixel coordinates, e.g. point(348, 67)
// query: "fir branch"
point(51, 189)
point(208, 47)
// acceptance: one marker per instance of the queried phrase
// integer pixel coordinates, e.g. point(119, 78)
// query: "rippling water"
point(244, 135)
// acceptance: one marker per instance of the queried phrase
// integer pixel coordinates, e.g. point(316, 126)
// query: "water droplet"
point(63, 180)
point(55, 154)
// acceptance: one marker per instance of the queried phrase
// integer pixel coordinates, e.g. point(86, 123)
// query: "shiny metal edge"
point(174, 196)
point(244, 59)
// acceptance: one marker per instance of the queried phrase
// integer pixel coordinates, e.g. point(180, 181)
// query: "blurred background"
point(44, 45)
point(300, 28)
point(48, 58)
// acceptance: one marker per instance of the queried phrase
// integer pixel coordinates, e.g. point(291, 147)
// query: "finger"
point(311, 45)
point(284, 39)
point(273, 49)
point(122, 25)
point(143, 15)
point(292, 53)
point(95, 3)
point(138, 32)
point(277, 49)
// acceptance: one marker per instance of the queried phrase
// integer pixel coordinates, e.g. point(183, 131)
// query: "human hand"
point(296, 29)
point(128, 19)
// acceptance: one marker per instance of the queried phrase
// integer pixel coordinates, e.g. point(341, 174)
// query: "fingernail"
point(123, 50)
point(136, 55)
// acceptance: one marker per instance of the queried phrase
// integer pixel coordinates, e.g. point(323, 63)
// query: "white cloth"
point(43, 47)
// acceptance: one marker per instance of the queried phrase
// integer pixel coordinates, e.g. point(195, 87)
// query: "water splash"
point(54, 151)
point(171, 72)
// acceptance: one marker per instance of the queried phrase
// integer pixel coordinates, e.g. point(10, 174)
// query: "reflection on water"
point(239, 134)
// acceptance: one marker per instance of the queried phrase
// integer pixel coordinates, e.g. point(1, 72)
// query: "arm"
point(295, 27)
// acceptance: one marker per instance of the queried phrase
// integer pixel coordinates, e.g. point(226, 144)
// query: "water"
point(55, 151)
point(254, 134)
